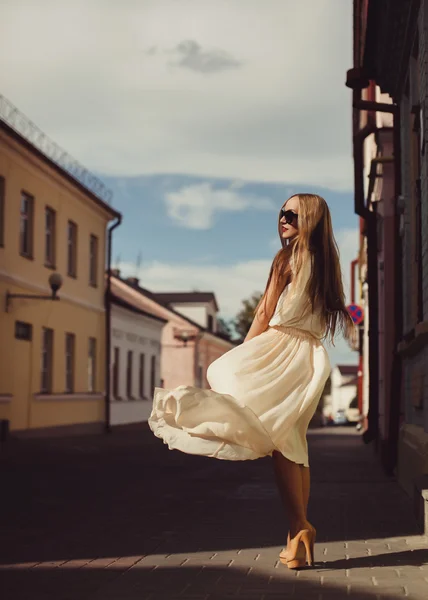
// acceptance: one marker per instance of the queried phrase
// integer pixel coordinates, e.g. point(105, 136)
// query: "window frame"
point(50, 261)
point(115, 373)
point(93, 260)
point(23, 331)
point(92, 364)
point(152, 374)
point(46, 370)
point(28, 218)
point(141, 375)
point(72, 254)
point(129, 373)
point(70, 354)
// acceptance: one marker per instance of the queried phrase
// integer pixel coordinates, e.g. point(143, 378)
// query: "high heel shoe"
point(299, 551)
point(285, 552)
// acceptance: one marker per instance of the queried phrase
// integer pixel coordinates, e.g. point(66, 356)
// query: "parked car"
point(340, 418)
point(352, 415)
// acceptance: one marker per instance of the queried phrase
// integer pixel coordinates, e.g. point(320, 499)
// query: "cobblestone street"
point(120, 517)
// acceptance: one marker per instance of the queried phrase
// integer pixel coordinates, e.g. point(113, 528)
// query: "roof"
point(124, 304)
point(53, 165)
point(154, 297)
point(348, 369)
point(184, 297)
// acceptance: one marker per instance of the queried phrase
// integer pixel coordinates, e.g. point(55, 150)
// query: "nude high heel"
point(300, 550)
point(286, 551)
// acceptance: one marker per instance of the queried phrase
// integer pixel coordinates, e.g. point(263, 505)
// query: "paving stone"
point(157, 524)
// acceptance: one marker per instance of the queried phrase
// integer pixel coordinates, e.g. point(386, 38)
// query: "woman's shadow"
point(416, 557)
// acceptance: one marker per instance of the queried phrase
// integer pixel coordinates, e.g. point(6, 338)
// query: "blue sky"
point(202, 117)
point(160, 227)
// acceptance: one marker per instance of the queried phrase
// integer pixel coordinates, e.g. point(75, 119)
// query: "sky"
point(202, 117)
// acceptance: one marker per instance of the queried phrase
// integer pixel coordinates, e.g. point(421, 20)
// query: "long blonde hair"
point(315, 241)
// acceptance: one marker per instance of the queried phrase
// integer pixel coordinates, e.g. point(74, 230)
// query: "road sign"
point(356, 313)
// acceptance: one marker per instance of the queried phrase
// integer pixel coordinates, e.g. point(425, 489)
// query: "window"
point(2, 189)
point(141, 378)
point(72, 249)
point(210, 323)
point(129, 374)
point(26, 225)
point(50, 222)
point(47, 360)
point(23, 331)
point(152, 374)
point(92, 364)
point(116, 372)
point(93, 260)
point(199, 376)
point(70, 342)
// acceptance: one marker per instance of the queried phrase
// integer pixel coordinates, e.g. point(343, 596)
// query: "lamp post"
point(55, 282)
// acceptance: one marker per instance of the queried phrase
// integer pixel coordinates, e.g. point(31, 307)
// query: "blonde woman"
point(265, 391)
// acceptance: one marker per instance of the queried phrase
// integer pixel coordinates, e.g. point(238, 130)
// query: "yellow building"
point(52, 353)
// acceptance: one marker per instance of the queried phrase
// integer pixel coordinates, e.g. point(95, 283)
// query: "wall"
point(178, 361)
point(413, 443)
point(80, 309)
point(341, 394)
point(197, 312)
point(131, 331)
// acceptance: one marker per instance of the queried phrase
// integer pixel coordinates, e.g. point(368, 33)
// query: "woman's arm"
point(264, 314)
point(259, 325)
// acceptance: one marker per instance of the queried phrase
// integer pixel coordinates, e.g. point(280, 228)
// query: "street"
point(121, 517)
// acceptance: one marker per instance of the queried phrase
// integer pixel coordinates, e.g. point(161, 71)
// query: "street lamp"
point(184, 335)
point(55, 282)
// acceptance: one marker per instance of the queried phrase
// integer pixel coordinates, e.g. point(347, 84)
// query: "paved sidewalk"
point(120, 517)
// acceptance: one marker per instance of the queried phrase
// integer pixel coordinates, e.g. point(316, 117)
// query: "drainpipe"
point(107, 304)
point(362, 210)
point(396, 375)
point(373, 417)
point(354, 265)
point(371, 232)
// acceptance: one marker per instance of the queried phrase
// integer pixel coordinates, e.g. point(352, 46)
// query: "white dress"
point(263, 392)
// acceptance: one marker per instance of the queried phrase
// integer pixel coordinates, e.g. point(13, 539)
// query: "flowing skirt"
point(263, 395)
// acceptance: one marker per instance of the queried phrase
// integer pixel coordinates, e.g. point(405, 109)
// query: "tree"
point(245, 317)
point(225, 328)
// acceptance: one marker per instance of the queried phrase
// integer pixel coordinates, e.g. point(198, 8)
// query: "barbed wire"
point(11, 115)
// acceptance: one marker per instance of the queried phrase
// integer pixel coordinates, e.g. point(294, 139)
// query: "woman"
point(265, 391)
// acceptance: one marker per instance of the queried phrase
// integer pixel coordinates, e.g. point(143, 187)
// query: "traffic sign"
point(356, 312)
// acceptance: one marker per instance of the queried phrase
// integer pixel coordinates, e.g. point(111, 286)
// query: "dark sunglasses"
point(289, 215)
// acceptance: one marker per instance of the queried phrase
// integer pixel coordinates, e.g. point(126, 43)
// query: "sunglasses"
point(289, 215)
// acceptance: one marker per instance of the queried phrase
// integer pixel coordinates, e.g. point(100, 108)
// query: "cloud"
point(231, 284)
point(192, 56)
point(195, 206)
point(106, 99)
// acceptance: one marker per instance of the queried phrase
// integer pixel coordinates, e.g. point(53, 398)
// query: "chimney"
point(134, 281)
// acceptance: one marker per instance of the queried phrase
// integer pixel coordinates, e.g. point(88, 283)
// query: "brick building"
point(390, 132)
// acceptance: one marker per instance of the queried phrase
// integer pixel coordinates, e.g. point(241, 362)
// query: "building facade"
point(188, 347)
point(343, 387)
point(52, 353)
point(390, 104)
point(134, 362)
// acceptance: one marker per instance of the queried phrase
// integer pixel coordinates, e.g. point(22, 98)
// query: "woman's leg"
point(289, 478)
point(306, 486)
